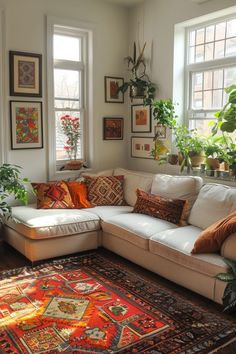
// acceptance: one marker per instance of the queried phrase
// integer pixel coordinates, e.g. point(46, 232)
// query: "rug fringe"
point(223, 346)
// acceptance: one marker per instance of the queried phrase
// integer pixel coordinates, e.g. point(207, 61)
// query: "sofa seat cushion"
point(176, 245)
point(104, 212)
point(214, 202)
point(41, 224)
point(135, 228)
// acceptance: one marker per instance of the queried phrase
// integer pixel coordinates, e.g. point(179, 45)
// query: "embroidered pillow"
point(105, 190)
point(211, 239)
point(53, 195)
point(172, 210)
point(79, 194)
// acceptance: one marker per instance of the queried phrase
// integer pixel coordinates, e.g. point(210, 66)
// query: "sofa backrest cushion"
point(132, 181)
point(214, 202)
point(180, 187)
point(97, 174)
point(228, 249)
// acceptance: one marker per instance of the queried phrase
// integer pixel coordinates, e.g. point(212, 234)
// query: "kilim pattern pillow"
point(53, 195)
point(171, 210)
point(106, 190)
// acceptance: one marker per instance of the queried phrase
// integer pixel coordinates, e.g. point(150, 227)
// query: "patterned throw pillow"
point(79, 194)
point(53, 195)
point(171, 210)
point(105, 190)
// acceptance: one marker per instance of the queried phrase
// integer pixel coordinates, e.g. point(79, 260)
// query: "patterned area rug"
point(90, 304)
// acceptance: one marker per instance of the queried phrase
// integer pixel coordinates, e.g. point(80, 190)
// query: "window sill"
point(69, 174)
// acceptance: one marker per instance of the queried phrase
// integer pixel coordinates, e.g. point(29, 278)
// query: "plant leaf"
point(232, 264)
point(227, 277)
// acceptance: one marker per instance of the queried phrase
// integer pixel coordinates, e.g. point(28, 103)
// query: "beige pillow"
point(212, 238)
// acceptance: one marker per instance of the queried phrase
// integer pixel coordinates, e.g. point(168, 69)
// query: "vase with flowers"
point(71, 128)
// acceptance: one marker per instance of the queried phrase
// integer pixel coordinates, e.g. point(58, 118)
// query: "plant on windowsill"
point(139, 84)
point(71, 128)
point(11, 184)
point(229, 297)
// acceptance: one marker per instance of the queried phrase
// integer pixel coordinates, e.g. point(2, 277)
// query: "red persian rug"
point(90, 304)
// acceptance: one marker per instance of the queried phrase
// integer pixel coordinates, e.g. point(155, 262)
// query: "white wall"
point(25, 30)
point(154, 22)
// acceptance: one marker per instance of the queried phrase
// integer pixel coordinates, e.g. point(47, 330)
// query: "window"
point(68, 72)
point(210, 67)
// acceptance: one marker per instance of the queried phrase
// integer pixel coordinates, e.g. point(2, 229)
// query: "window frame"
point(2, 95)
point(75, 29)
point(192, 68)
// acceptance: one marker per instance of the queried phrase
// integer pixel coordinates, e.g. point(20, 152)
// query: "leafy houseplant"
point(229, 298)
point(11, 183)
point(139, 84)
point(164, 113)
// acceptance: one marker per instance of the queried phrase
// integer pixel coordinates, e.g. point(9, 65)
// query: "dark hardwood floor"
point(10, 259)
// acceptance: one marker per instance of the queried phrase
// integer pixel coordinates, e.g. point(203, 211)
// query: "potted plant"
point(229, 297)
point(216, 152)
point(196, 147)
point(71, 128)
point(139, 84)
point(11, 184)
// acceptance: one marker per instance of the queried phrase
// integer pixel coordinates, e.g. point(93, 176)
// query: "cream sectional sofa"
point(155, 244)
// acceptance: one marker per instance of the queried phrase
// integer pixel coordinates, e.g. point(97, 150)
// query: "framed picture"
point(26, 125)
point(113, 128)
point(160, 131)
point(141, 147)
point(141, 119)
point(25, 74)
point(112, 84)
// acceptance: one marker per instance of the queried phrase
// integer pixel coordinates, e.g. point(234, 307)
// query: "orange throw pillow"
point(211, 239)
point(53, 195)
point(79, 192)
point(172, 210)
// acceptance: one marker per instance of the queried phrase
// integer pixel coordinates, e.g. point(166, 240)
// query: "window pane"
point(220, 30)
point(209, 51)
point(217, 99)
point(191, 55)
point(230, 47)
point(231, 28)
point(230, 76)
point(66, 83)
point(199, 53)
point(192, 38)
point(207, 80)
point(197, 100)
point(61, 138)
point(202, 126)
point(65, 104)
point(219, 49)
point(197, 82)
point(207, 99)
point(218, 79)
point(66, 48)
point(210, 31)
point(200, 36)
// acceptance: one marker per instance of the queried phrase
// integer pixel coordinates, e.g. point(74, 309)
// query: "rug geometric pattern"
point(90, 304)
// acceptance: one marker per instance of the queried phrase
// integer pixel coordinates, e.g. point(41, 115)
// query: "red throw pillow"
point(105, 190)
point(211, 239)
point(53, 195)
point(172, 210)
point(79, 194)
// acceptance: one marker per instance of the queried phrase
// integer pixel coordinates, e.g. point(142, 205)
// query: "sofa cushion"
point(135, 228)
point(79, 194)
point(104, 212)
point(132, 181)
point(211, 239)
point(176, 245)
point(214, 202)
point(39, 224)
point(172, 210)
point(183, 187)
point(53, 195)
point(105, 190)
point(228, 249)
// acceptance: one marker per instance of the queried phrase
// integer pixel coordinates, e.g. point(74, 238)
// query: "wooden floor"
point(10, 259)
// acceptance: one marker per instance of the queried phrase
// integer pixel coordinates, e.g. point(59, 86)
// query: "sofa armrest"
point(228, 249)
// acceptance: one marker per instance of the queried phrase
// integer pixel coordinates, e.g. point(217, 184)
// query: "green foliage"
point(164, 113)
point(11, 183)
point(229, 297)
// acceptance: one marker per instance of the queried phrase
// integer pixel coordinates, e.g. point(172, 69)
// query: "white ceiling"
point(127, 3)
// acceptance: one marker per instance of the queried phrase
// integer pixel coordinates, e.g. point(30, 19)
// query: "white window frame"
point(2, 96)
point(202, 66)
point(86, 33)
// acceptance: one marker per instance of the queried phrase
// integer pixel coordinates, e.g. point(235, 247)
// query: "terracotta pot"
point(214, 164)
point(197, 159)
point(73, 165)
point(172, 159)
